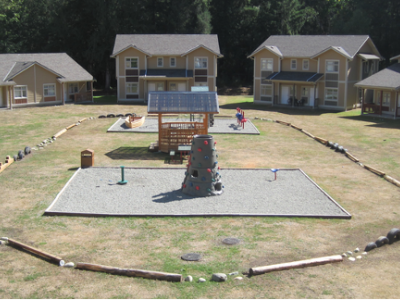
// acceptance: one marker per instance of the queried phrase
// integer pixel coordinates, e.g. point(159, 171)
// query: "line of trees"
point(86, 29)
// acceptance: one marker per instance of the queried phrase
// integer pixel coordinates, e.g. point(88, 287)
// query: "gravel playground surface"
point(221, 125)
point(156, 192)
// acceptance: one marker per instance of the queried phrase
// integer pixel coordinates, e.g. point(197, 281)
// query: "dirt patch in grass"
point(30, 185)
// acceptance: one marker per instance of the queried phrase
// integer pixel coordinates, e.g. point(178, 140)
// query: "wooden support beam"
point(296, 264)
point(130, 272)
point(49, 257)
point(373, 170)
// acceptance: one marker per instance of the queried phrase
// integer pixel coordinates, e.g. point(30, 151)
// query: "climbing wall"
point(202, 177)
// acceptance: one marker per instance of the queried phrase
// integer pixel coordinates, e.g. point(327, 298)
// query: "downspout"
point(346, 84)
point(117, 75)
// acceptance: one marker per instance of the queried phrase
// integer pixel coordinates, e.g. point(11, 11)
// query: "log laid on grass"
point(296, 264)
point(295, 127)
point(130, 272)
point(321, 140)
point(9, 161)
point(49, 257)
point(284, 123)
point(70, 126)
point(373, 170)
point(81, 120)
point(60, 133)
point(307, 133)
point(392, 180)
point(352, 157)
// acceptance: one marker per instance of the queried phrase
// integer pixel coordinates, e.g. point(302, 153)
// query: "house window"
point(132, 88)
point(293, 64)
point(386, 98)
point(49, 90)
point(172, 86)
point(20, 91)
point(332, 66)
point(172, 62)
point(131, 62)
point(306, 64)
point(267, 64)
point(331, 95)
point(160, 62)
point(160, 86)
point(200, 62)
point(73, 88)
point(266, 92)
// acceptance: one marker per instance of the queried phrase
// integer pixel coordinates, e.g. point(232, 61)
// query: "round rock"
point(69, 265)
point(219, 277)
point(191, 257)
point(201, 280)
point(230, 241)
point(239, 278)
point(189, 278)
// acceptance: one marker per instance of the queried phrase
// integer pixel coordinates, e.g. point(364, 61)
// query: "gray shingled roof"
point(183, 102)
point(177, 73)
point(59, 63)
point(295, 76)
point(166, 44)
point(388, 78)
point(311, 45)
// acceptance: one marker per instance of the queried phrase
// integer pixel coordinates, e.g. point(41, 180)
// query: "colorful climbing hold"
point(209, 170)
point(206, 143)
point(199, 149)
point(197, 187)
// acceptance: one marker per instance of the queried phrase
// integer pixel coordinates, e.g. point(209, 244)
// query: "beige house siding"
point(45, 77)
point(180, 62)
point(27, 78)
point(265, 54)
point(201, 52)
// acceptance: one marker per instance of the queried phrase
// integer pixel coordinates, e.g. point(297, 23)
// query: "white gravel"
point(221, 125)
point(156, 192)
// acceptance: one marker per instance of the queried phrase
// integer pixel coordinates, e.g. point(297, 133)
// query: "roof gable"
point(166, 44)
point(61, 64)
point(388, 78)
point(310, 46)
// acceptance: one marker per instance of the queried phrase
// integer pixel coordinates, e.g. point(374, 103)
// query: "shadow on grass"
point(282, 110)
point(134, 153)
point(376, 121)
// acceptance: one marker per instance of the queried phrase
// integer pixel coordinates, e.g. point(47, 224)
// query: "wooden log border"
point(9, 161)
point(130, 272)
point(296, 264)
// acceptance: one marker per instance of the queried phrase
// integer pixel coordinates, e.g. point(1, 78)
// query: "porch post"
point(381, 102)
point(10, 95)
point(159, 130)
point(362, 101)
point(91, 85)
point(293, 94)
point(62, 93)
point(396, 104)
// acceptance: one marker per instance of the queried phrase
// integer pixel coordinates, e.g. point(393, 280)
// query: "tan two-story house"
point(42, 79)
point(164, 62)
point(313, 70)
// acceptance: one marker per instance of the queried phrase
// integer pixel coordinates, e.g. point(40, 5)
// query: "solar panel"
point(183, 102)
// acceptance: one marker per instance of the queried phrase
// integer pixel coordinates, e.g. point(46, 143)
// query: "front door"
point(181, 87)
point(285, 95)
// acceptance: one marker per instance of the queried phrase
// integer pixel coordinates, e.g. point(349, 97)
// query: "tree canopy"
point(86, 30)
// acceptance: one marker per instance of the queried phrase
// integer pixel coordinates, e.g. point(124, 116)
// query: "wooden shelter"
point(173, 134)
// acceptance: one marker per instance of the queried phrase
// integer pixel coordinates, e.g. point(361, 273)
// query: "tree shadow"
point(375, 121)
point(176, 195)
point(136, 153)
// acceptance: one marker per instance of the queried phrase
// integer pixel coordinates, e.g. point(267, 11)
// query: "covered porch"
point(380, 102)
point(295, 89)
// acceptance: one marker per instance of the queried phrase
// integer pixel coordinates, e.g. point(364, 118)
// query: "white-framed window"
point(20, 91)
point(132, 88)
point(293, 64)
point(73, 88)
point(267, 64)
point(200, 62)
point(160, 86)
point(172, 62)
point(332, 66)
point(131, 62)
point(173, 86)
point(331, 94)
point(306, 64)
point(49, 90)
point(160, 62)
point(266, 90)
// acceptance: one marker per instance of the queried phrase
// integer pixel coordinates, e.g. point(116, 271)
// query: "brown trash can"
point(87, 158)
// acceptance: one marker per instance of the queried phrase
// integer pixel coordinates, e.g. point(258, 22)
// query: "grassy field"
point(29, 186)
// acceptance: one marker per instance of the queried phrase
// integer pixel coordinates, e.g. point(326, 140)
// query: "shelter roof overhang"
point(304, 77)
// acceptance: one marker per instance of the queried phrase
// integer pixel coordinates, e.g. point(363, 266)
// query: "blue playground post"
point(123, 181)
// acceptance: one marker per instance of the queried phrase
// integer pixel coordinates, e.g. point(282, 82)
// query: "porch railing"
point(83, 97)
